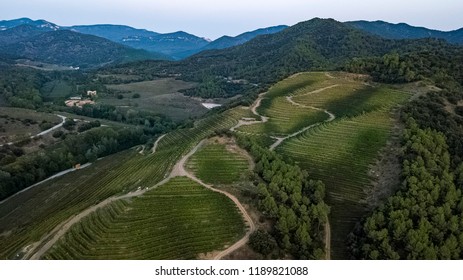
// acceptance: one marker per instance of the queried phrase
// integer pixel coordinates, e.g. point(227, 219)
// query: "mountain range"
point(103, 44)
point(174, 46)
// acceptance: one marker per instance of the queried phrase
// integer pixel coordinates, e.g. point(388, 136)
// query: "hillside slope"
point(19, 33)
point(405, 31)
point(310, 45)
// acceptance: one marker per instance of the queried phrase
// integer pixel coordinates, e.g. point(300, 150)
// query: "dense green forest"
point(292, 201)
point(422, 220)
point(432, 60)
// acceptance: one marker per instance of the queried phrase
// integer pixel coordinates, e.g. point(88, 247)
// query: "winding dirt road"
point(279, 140)
point(36, 250)
point(254, 111)
point(63, 119)
point(179, 170)
point(331, 117)
point(155, 145)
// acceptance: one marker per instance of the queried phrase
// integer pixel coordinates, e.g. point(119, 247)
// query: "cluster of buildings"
point(79, 101)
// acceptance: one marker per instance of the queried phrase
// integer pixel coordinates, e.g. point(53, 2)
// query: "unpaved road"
point(38, 249)
point(279, 140)
point(51, 238)
point(63, 119)
point(180, 170)
point(331, 117)
point(327, 239)
point(155, 145)
point(49, 178)
point(254, 111)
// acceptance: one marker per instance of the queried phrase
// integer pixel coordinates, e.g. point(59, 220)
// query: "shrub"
point(45, 125)
point(69, 124)
point(58, 134)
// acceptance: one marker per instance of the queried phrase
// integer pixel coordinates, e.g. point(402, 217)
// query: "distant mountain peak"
point(40, 23)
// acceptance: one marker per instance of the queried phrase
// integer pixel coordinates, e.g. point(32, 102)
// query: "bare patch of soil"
point(385, 173)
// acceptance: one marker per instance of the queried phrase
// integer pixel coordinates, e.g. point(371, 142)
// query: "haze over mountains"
point(103, 44)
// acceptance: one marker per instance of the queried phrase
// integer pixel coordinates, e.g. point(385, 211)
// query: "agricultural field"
point(219, 162)
point(30, 215)
point(17, 124)
point(285, 118)
point(178, 220)
point(340, 154)
point(340, 150)
point(159, 96)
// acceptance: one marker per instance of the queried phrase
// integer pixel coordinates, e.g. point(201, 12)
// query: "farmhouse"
point(78, 103)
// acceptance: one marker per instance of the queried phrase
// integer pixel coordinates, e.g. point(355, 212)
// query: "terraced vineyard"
point(34, 213)
point(340, 152)
point(217, 163)
point(285, 118)
point(178, 220)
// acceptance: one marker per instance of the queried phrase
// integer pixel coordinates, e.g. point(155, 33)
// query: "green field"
point(30, 215)
point(218, 164)
point(178, 220)
point(159, 96)
point(17, 123)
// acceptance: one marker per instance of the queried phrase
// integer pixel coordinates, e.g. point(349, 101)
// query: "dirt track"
point(280, 140)
point(63, 119)
point(179, 170)
point(254, 111)
point(38, 249)
point(51, 238)
point(155, 145)
point(327, 239)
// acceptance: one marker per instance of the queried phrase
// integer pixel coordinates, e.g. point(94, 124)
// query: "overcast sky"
point(213, 18)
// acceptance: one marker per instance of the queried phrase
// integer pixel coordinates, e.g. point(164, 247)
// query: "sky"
point(214, 18)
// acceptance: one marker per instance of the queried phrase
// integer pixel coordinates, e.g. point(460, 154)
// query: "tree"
point(262, 242)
